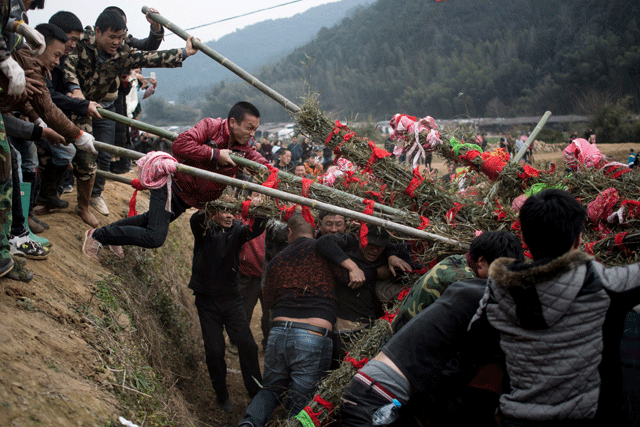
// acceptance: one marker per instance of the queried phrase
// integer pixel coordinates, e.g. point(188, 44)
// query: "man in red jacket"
point(205, 146)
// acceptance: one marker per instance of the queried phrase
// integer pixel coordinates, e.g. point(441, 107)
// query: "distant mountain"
point(251, 48)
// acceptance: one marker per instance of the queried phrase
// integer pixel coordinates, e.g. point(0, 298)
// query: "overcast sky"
point(183, 13)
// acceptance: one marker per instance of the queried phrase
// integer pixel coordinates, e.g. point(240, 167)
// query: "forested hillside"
point(459, 57)
point(250, 47)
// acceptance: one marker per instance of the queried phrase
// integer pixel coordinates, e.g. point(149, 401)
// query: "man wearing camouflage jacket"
point(93, 72)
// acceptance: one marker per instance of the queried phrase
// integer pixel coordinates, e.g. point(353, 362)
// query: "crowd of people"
point(55, 77)
point(481, 338)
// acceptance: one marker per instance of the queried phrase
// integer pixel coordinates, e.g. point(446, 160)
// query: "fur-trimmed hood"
point(506, 274)
point(539, 294)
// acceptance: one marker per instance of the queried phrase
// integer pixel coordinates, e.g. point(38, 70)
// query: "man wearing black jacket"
point(218, 239)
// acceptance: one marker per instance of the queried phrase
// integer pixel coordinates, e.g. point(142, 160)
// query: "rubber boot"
point(51, 177)
point(25, 196)
point(34, 180)
point(84, 196)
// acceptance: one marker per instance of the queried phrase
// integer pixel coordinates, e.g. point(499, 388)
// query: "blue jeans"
point(61, 155)
point(295, 361)
point(104, 130)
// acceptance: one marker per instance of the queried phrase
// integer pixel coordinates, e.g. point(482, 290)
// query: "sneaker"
point(117, 250)
point(233, 349)
point(100, 205)
point(23, 246)
point(67, 189)
point(227, 406)
point(6, 265)
point(91, 246)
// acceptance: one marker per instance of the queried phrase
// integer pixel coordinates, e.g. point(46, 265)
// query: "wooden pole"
point(170, 136)
point(113, 177)
point(244, 185)
point(288, 105)
point(522, 151)
point(532, 137)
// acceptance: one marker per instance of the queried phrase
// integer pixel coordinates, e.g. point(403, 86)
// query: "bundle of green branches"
point(364, 345)
point(263, 208)
point(627, 251)
point(428, 199)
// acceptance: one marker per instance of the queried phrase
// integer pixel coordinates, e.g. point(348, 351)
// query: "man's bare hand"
point(224, 158)
point(395, 262)
point(92, 110)
point(191, 49)
point(155, 26)
point(53, 137)
point(356, 278)
point(33, 86)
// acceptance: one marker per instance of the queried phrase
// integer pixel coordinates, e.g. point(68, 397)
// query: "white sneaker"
point(23, 246)
point(100, 205)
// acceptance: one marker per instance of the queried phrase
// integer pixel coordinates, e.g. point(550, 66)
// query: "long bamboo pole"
point(170, 136)
point(244, 185)
point(532, 137)
point(522, 151)
point(114, 177)
point(288, 105)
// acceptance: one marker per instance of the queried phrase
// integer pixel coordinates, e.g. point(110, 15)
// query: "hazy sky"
point(183, 13)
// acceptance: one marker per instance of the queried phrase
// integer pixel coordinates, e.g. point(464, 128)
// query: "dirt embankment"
point(85, 342)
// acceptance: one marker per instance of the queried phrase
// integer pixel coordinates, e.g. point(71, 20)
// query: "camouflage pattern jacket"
point(83, 68)
point(9, 40)
point(430, 286)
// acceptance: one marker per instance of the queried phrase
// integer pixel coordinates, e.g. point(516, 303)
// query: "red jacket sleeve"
point(189, 145)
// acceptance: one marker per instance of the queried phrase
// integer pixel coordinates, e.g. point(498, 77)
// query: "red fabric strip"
point(415, 182)
point(358, 364)
point(328, 405)
point(364, 229)
point(376, 154)
point(135, 183)
point(424, 223)
point(245, 208)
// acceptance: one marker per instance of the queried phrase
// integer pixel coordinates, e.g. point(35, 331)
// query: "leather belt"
point(297, 325)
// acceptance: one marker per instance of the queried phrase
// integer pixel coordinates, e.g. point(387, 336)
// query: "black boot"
point(51, 178)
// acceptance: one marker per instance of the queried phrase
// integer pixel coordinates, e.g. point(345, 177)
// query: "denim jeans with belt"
point(295, 360)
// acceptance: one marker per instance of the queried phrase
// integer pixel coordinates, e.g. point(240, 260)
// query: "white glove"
point(85, 143)
point(34, 38)
point(15, 74)
point(40, 122)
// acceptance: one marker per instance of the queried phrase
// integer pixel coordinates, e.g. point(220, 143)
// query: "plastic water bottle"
point(386, 414)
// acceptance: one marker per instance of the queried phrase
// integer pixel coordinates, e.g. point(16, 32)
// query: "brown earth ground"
point(78, 341)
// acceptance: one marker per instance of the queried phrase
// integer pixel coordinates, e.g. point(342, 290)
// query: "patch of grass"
point(157, 347)
point(27, 304)
point(51, 365)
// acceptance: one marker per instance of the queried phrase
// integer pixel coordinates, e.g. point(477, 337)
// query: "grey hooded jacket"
point(550, 317)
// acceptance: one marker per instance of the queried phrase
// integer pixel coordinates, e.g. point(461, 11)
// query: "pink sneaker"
point(91, 246)
point(117, 250)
